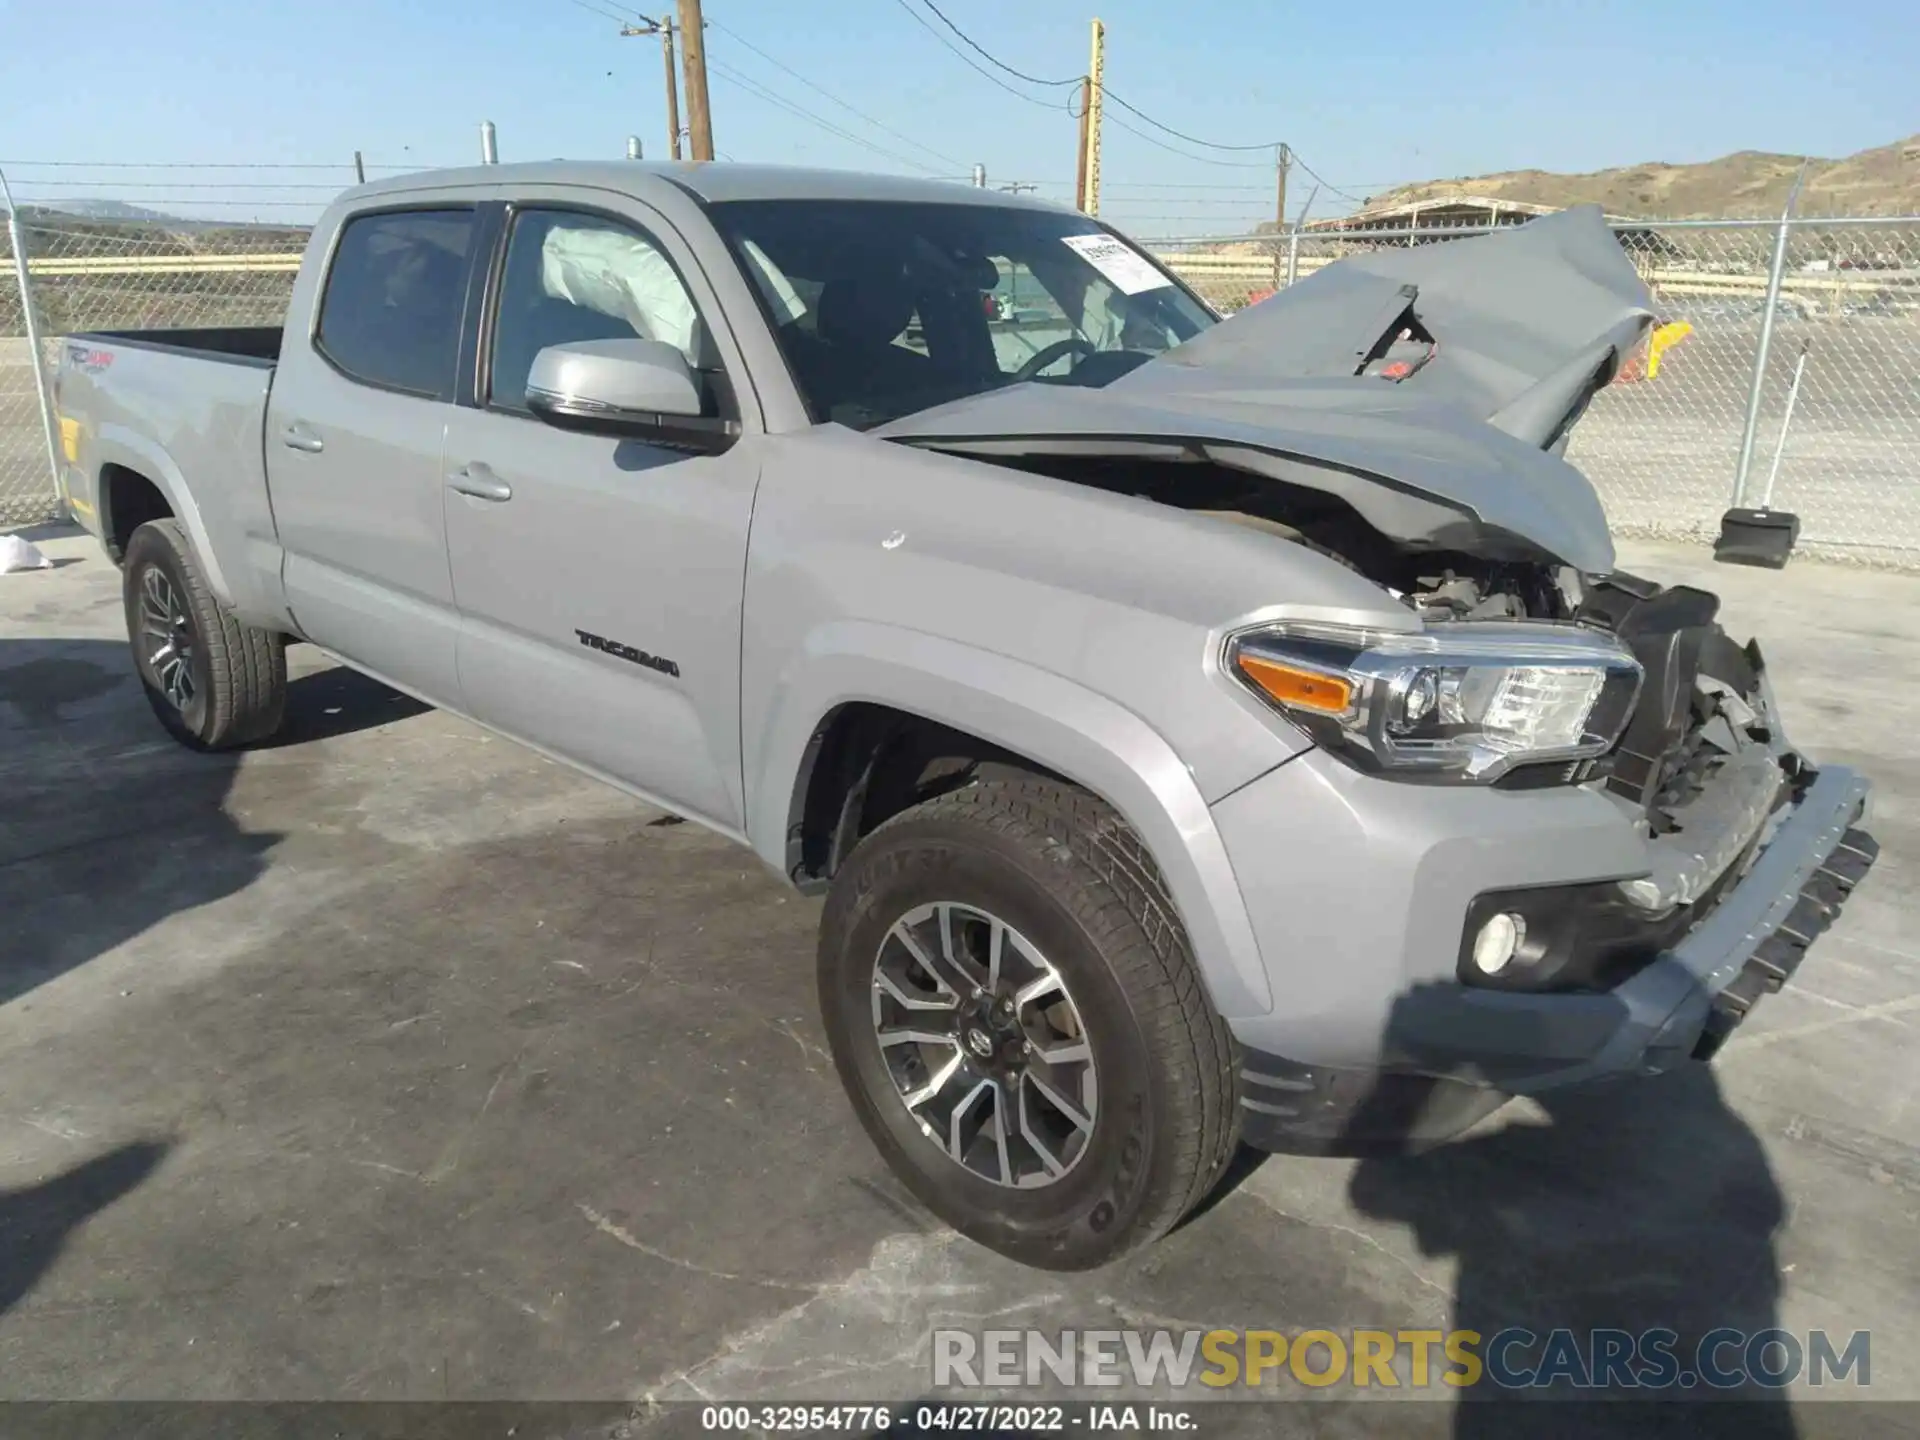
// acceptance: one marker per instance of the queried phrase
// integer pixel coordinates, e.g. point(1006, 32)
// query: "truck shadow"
point(1641, 1204)
point(37, 1219)
point(324, 703)
point(107, 827)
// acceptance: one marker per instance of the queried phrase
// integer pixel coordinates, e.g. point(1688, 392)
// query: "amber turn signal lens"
point(1303, 689)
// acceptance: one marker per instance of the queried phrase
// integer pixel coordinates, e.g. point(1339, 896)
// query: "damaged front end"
point(1705, 766)
point(1704, 724)
point(1413, 401)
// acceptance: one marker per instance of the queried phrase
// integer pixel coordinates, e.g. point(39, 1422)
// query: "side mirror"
point(637, 389)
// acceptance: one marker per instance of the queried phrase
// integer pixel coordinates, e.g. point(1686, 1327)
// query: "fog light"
point(1497, 943)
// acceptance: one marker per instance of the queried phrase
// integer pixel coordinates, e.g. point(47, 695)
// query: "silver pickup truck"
point(1203, 731)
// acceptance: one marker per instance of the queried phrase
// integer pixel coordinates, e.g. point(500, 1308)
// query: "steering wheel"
point(1043, 358)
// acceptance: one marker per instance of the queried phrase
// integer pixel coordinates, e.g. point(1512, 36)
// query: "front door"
point(356, 423)
point(599, 580)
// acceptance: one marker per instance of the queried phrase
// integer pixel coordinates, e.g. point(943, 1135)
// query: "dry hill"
point(1884, 181)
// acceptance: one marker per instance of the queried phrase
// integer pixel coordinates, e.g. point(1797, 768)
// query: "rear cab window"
point(396, 289)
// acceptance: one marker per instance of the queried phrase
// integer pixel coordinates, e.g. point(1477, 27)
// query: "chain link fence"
point(99, 275)
point(1662, 444)
point(26, 479)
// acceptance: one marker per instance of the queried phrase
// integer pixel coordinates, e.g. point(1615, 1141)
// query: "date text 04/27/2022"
point(956, 1418)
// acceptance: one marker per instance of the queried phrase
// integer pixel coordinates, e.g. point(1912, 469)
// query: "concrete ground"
point(394, 1062)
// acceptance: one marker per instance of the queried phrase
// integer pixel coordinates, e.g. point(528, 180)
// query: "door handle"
point(298, 437)
point(478, 480)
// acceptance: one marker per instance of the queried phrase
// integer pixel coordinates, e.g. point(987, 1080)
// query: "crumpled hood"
point(1522, 320)
point(1525, 323)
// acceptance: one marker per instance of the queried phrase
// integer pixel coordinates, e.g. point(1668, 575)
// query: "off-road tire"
point(239, 671)
point(1064, 869)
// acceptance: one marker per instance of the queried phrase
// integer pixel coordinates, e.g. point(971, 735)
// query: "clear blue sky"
point(1367, 93)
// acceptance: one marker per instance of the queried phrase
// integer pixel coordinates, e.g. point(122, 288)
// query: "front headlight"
point(1464, 701)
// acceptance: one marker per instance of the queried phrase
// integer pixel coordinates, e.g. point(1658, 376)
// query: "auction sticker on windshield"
point(1123, 266)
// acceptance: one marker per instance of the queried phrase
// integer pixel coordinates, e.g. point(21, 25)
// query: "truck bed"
point(145, 413)
point(243, 344)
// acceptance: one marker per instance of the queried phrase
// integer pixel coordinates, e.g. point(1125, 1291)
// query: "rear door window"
point(395, 293)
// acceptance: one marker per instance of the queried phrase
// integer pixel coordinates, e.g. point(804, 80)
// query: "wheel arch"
point(859, 688)
point(128, 500)
point(131, 465)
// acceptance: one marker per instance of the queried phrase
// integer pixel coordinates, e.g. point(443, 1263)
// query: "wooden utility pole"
point(664, 29)
point(1080, 156)
point(673, 90)
point(1282, 162)
point(693, 55)
point(1281, 158)
point(1095, 69)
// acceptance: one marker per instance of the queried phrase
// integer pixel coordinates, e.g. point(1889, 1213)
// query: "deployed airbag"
point(622, 276)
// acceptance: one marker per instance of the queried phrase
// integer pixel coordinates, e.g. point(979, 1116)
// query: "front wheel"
point(214, 681)
point(1019, 1023)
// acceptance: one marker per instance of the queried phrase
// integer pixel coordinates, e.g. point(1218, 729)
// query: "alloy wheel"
point(985, 1044)
point(166, 632)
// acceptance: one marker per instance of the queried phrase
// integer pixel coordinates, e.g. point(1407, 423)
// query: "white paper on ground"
point(1126, 267)
point(19, 554)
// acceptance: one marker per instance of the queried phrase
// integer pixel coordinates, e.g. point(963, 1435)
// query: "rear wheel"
point(1019, 1023)
point(214, 681)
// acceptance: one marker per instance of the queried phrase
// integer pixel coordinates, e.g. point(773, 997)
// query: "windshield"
point(883, 308)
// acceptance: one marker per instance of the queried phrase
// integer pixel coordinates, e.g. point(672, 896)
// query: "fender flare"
point(1052, 721)
point(128, 449)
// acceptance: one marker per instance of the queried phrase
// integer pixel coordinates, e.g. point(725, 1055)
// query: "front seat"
point(856, 323)
point(863, 314)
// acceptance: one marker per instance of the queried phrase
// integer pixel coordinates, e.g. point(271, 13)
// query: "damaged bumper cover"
point(1456, 1052)
point(1689, 998)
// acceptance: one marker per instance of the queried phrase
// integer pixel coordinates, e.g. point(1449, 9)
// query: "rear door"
point(599, 579)
point(356, 425)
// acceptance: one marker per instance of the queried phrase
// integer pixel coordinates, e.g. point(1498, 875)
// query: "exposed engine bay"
point(1701, 732)
point(1440, 584)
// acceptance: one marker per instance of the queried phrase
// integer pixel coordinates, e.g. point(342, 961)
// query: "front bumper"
point(1448, 1053)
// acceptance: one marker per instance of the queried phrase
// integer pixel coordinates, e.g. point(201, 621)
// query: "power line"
point(989, 55)
point(601, 11)
point(971, 63)
point(844, 105)
point(1107, 91)
point(627, 16)
point(190, 185)
point(185, 201)
point(187, 165)
point(1292, 154)
point(1246, 187)
point(1186, 154)
point(1328, 184)
point(755, 88)
point(1135, 201)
